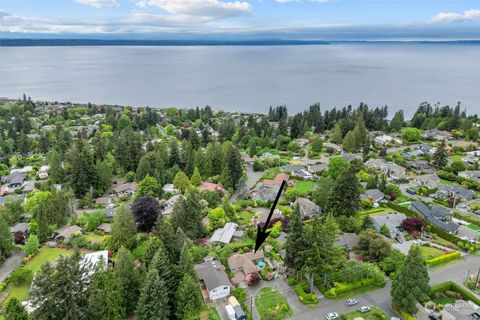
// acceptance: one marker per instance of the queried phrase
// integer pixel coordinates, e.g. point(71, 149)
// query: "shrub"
point(252, 278)
point(21, 275)
point(452, 286)
point(304, 297)
point(443, 259)
point(412, 224)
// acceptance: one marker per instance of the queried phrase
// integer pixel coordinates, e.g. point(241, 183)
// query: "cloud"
point(287, 1)
point(203, 9)
point(467, 15)
point(99, 3)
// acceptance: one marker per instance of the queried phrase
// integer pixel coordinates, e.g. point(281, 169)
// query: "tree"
point(217, 218)
point(13, 211)
point(411, 134)
point(412, 224)
point(123, 229)
point(60, 290)
point(149, 187)
point(336, 166)
point(295, 244)
point(6, 244)
point(343, 199)
point(349, 142)
point(316, 144)
point(15, 311)
point(196, 178)
point(82, 174)
point(181, 181)
point(232, 167)
point(337, 135)
point(128, 278)
point(104, 295)
point(152, 164)
point(397, 121)
point(187, 215)
point(167, 271)
point(187, 298)
point(31, 246)
point(372, 246)
point(153, 302)
point(440, 157)
point(457, 166)
point(411, 283)
point(322, 192)
point(145, 209)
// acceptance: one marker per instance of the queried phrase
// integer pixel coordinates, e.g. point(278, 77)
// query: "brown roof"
point(125, 187)
point(278, 179)
point(211, 187)
point(244, 262)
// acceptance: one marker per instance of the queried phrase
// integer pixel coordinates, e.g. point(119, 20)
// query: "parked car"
point(331, 316)
point(431, 317)
point(365, 309)
point(230, 312)
point(417, 241)
point(410, 191)
point(351, 302)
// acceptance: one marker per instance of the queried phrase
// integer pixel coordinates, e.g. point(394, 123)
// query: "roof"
point(68, 232)
point(264, 215)
point(15, 178)
point(307, 207)
point(434, 215)
point(213, 274)
point(105, 227)
point(292, 167)
point(348, 240)
point(93, 258)
point(22, 226)
point(125, 187)
point(277, 180)
point(209, 186)
point(245, 261)
point(224, 234)
point(317, 168)
point(373, 194)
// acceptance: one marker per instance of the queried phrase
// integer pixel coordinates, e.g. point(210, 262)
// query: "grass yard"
point(92, 237)
point(443, 299)
point(474, 227)
point(244, 217)
point(209, 314)
point(44, 255)
point(430, 252)
point(457, 157)
point(304, 186)
point(373, 314)
point(272, 305)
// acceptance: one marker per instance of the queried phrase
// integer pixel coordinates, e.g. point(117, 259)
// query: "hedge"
point(472, 220)
point(305, 298)
point(406, 211)
point(452, 286)
point(345, 287)
point(371, 211)
point(443, 259)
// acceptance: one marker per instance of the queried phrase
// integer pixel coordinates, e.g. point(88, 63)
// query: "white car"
point(331, 316)
point(351, 302)
point(365, 309)
point(417, 241)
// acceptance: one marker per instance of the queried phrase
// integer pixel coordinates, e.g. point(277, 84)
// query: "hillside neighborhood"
point(112, 212)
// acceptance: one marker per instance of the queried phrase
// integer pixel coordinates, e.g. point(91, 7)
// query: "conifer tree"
point(440, 157)
point(187, 214)
point(123, 229)
point(149, 187)
point(153, 302)
point(343, 199)
point(232, 167)
point(185, 264)
point(15, 311)
point(337, 135)
point(188, 299)
point(181, 181)
point(167, 271)
point(295, 244)
point(128, 278)
point(196, 178)
point(6, 241)
point(411, 284)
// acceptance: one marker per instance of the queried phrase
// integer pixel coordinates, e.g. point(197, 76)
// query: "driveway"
point(11, 264)
point(246, 185)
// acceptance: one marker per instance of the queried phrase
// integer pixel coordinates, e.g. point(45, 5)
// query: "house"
point(168, 205)
point(420, 166)
point(170, 188)
point(352, 156)
point(413, 153)
point(262, 218)
point(268, 155)
point(426, 149)
point(244, 264)
point(332, 147)
point(43, 172)
point(317, 168)
point(435, 215)
point(472, 157)
point(347, 240)
point(393, 171)
point(307, 207)
point(374, 195)
point(225, 234)
point(66, 234)
point(473, 175)
point(453, 191)
point(437, 134)
point(430, 181)
point(292, 167)
point(28, 186)
point(386, 139)
point(14, 179)
point(19, 227)
point(13, 197)
point(91, 260)
point(277, 181)
point(105, 228)
point(209, 186)
point(264, 193)
point(125, 189)
point(213, 279)
point(304, 174)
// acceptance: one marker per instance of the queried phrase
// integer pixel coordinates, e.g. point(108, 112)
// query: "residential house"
point(242, 265)
point(268, 155)
point(91, 260)
point(268, 189)
point(226, 233)
point(473, 175)
point(352, 156)
point(263, 216)
point(437, 134)
point(347, 240)
point(436, 215)
point(386, 139)
point(292, 167)
point(66, 234)
point(454, 191)
point(13, 197)
point(14, 180)
point(21, 226)
point(426, 149)
point(420, 166)
point(393, 171)
point(105, 228)
point(125, 189)
point(374, 195)
point(277, 181)
point(317, 168)
point(332, 147)
point(304, 174)
point(472, 157)
point(209, 186)
point(170, 188)
point(430, 181)
point(413, 153)
point(167, 205)
point(43, 172)
point(307, 207)
point(214, 283)
point(28, 186)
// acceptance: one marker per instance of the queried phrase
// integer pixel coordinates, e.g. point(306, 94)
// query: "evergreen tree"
point(343, 199)
point(411, 284)
point(337, 135)
point(105, 295)
point(174, 158)
point(125, 271)
point(232, 169)
point(188, 299)
point(81, 174)
point(152, 247)
point(149, 187)
point(295, 241)
point(181, 181)
point(6, 241)
point(167, 271)
point(123, 229)
point(440, 157)
point(151, 164)
point(185, 264)
point(187, 214)
point(153, 302)
point(397, 121)
point(349, 142)
point(167, 236)
point(15, 311)
point(196, 178)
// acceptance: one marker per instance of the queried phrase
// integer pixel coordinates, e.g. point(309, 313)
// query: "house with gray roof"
point(473, 175)
point(453, 191)
point(307, 207)
point(225, 234)
point(430, 181)
point(214, 282)
point(374, 195)
point(435, 215)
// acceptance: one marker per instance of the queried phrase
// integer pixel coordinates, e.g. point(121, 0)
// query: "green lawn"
point(44, 255)
point(443, 299)
point(244, 217)
point(92, 237)
point(304, 186)
point(373, 314)
point(474, 227)
point(209, 314)
point(457, 157)
point(272, 305)
point(430, 252)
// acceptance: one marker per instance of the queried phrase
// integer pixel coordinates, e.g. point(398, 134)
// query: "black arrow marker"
point(263, 234)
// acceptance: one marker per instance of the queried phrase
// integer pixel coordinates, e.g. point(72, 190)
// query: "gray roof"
point(15, 178)
point(12, 197)
point(292, 167)
point(348, 240)
point(224, 234)
point(307, 207)
point(458, 190)
point(23, 227)
point(435, 215)
point(213, 274)
point(373, 194)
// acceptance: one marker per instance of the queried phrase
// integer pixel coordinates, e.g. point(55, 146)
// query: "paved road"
point(252, 178)
point(11, 264)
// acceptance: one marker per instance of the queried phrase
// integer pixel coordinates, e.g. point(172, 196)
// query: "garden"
point(272, 305)
point(449, 292)
point(374, 314)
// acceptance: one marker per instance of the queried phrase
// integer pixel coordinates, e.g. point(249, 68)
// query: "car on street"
point(417, 241)
point(331, 316)
point(410, 191)
point(351, 302)
point(365, 309)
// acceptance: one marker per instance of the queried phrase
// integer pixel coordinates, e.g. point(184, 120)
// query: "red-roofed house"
point(209, 186)
point(277, 181)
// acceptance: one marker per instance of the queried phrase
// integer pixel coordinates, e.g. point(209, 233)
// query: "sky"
point(298, 19)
